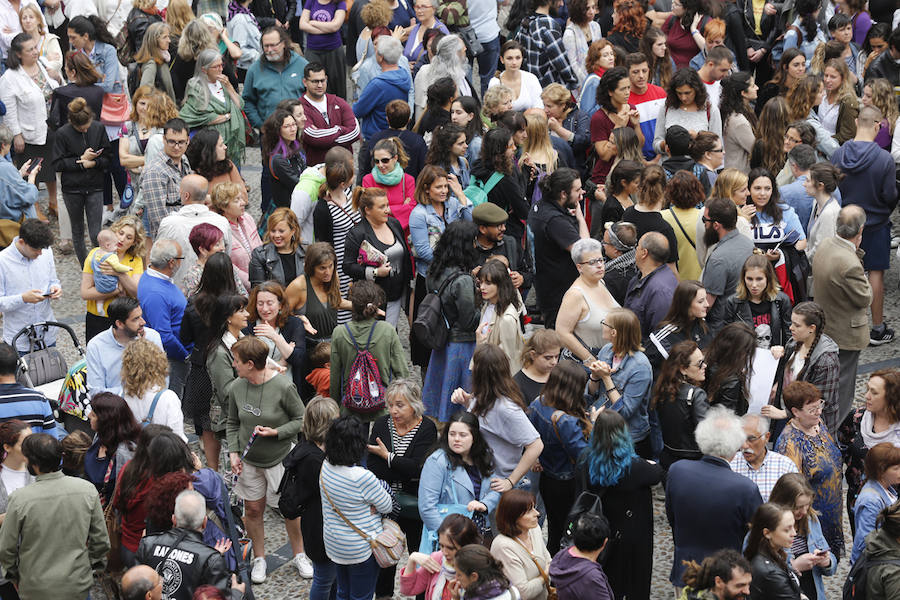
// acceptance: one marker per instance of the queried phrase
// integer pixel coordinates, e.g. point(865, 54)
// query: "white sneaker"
point(304, 565)
point(258, 570)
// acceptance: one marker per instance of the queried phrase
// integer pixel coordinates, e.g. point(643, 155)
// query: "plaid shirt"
point(545, 55)
point(219, 7)
point(160, 195)
point(774, 466)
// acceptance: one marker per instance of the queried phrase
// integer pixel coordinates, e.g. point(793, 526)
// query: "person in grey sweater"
point(687, 104)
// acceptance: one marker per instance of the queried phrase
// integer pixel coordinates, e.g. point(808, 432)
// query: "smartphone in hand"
point(34, 165)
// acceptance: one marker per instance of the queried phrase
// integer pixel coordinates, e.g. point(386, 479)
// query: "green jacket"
point(200, 107)
point(53, 538)
point(221, 373)
point(279, 407)
point(883, 581)
point(265, 86)
point(385, 347)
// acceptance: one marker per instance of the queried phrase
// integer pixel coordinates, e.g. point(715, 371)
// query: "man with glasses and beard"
point(330, 121)
point(723, 267)
point(278, 74)
point(557, 222)
point(161, 177)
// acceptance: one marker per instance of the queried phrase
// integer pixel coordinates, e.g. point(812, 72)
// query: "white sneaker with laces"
point(304, 565)
point(258, 570)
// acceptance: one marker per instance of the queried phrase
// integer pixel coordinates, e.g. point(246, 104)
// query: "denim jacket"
point(107, 64)
point(815, 540)
point(434, 488)
point(425, 225)
point(561, 450)
point(871, 500)
point(633, 378)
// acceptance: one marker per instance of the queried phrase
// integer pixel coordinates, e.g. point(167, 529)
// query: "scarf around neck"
point(390, 179)
point(891, 435)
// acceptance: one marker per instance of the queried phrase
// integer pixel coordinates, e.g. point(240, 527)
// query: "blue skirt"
point(447, 370)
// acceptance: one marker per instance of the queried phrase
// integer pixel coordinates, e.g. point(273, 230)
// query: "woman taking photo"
point(519, 546)
point(729, 360)
point(281, 256)
point(559, 416)
point(230, 201)
point(152, 60)
point(806, 441)
point(283, 333)
point(383, 233)
point(264, 407)
point(390, 159)
point(115, 435)
point(500, 312)
point(809, 553)
point(759, 303)
point(434, 571)
point(283, 159)
point(687, 104)
point(144, 372)
point(352, 493)
point(585, 304)
point(459, 472)
point(26, 88)
point(680, 402)
point(623, 182)
point(771, 531)
point(525, 87)
point(882, 475)
point(130, 250)
point(455, 257)
point(621, 376)
point(840, 106)
point(398, 446)
point(686, 320)
point(614, 111)
point(738, 119)
point(210, 100)
point(501, 414)
point(601, 57)
point(364, 330)
point(320, 308)
point(610, 467)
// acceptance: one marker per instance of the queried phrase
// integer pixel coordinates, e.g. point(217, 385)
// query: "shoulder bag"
point(681, 227)
point(551, 591)
point(430, 538)
point(387, 547)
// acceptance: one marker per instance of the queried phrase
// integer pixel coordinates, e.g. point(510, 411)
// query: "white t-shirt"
point(12, 479)
point(529, 92)
point(714, 91)
point(321, 106)
point(167, 412)
point(216, 91)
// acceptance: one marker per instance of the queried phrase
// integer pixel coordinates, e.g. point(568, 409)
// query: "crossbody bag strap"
point(149, 418)
point(534, 559)
point(554, 419)
point(492, 181)
point(174, 546)
point(334, 507)
point(681, 227)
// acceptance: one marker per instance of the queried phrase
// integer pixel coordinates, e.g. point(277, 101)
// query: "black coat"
point(628, 506)
point(307, 458)
point(197, 563)
point(395, 284)
point(730, 394)
point(770, 25)
point(70, 144)
point(137, 22)
point(405, 469)
point(265, 264)
point(59, 103)
point(771, 581)
point(678, 419)
point(736, 309)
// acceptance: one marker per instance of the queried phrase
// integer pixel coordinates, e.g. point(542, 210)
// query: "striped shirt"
point(343, 219)
point(353, 490)
point(26, 404)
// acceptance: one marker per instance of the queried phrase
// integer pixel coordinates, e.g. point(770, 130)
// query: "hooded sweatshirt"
point(577, 578)
point(869, 180)
point(369, 109)
point(303, 199)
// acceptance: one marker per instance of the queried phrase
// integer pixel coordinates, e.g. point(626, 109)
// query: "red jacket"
point(319, 136)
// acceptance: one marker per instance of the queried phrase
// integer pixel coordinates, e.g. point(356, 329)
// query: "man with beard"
point(763, 466)
point(545, 56)
point(723, 267)
point(104, 351)
point(491, 222)
point(724, 575)
point(557, 222)
point(619, 246)
point(278, 74)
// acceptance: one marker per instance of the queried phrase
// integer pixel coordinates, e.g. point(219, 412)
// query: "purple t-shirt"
point(323, 13)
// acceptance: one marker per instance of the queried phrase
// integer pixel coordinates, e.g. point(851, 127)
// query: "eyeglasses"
point(605, 323)
point(718, 150)
point(792, 139)
point(754, 438)
point(176, 143)
point(593, 262)
point(318, 81)
point(701, 363)
point(383, 161)
point(707, 219)
point(814, 408)
point(253, 410)
point(271, 46)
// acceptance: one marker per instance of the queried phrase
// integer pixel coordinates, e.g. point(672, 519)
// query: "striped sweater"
point(353, 490)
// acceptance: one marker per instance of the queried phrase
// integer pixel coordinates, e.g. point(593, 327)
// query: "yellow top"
point(134, 263)
point(757, 15)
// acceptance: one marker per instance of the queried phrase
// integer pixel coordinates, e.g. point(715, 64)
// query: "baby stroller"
point(45, 369)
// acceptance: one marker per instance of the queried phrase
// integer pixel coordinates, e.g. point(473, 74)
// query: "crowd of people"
point(599, 217)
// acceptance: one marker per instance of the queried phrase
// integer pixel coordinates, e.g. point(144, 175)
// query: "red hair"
point(630, 18)
point(161, 497)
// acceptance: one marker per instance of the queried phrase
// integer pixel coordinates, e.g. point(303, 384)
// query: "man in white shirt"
point(719, 61)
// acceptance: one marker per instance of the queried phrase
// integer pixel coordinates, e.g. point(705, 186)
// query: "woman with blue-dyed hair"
point(610, 468)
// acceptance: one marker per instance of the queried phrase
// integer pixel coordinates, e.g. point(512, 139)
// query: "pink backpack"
point(364, 391)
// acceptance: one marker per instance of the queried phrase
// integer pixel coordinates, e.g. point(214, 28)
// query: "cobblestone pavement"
point(284, 582)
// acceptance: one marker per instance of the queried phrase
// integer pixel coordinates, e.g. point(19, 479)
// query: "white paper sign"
point(764, 367)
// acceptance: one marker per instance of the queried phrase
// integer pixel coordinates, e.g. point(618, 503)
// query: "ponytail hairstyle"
point(13, 61)
point(721, 564)
point(670, 376)
point(653, 186)
point(336, 174)
point(94, 27)
point(826, 174)
point(80, 113)
point(364, 198)
point(366, 297)
point(733, 101)
point(395, 146)
point(475, 558)
point(541, 341)
point(806, 8)
point(704, 142)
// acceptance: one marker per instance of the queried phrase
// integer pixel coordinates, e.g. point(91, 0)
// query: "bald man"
point(194, 190)
point(650, 292)
point(141, 583)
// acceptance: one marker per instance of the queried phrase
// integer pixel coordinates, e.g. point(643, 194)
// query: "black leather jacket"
point(678, 419)
point(771, 581)
point(188, 562)
point(137, 22)
point(736, 309)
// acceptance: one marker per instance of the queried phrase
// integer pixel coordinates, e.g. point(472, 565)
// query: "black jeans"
point(558, 495)
point(83, 205)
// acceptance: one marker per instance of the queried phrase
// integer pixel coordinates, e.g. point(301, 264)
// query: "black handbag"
point(586, 503)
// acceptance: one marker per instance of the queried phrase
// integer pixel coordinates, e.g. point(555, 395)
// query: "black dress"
point(322, 317)
point(198, 386)
point(628, 506)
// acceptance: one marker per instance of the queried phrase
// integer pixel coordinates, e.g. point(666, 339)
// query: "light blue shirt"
point(17, 196)
point(105, 60)
point(104, 361)
point(426, 227)
point(795, 196)
point(19, 274)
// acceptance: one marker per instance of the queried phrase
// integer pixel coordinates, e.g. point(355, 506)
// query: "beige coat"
point(520, 568)
point(841, 288)
point(505, 331)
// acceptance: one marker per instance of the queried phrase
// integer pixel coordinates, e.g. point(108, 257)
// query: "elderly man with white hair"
point(182, 558)
point(707, 504)
point(763, 466)
point(163, 305)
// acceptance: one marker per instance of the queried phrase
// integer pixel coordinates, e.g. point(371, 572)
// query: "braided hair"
point(813, 315)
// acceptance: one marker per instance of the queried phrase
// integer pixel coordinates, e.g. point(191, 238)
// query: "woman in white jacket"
point(821, 184)
point(144, 386)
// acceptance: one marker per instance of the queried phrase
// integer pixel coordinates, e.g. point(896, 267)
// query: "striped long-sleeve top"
point(353, 490)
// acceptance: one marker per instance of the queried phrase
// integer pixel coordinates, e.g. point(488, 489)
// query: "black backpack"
point(431, 327)
point(291, 485)
point(855, 585)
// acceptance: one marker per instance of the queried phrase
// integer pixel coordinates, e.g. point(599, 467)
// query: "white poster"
point(762, 378)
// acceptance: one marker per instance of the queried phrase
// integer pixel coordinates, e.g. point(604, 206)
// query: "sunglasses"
point(383, 161)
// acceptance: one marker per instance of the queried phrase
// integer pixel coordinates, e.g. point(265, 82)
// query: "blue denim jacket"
point(16, 194)
point(107, 64)
point(871, 500)
point(633, 378)
point(434, 489)
point(815, 540)
point(425, 224)
point(561, 451)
